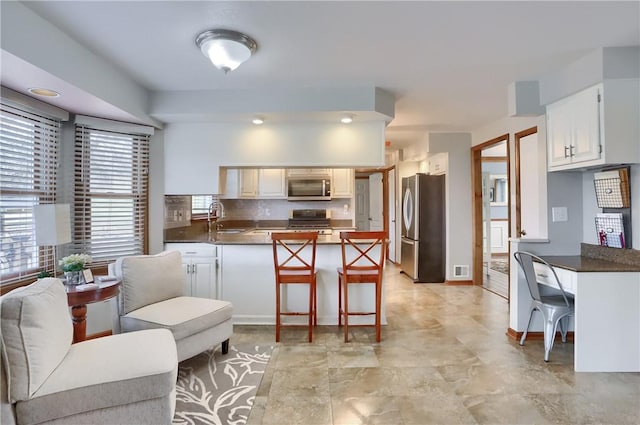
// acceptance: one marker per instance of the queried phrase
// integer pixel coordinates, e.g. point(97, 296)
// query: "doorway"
point(375, 203)
point(491, 214)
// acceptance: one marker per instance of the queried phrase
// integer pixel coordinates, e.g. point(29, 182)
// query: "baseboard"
point(459, 282)
point(536, 335)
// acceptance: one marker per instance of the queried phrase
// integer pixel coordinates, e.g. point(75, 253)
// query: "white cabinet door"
point(272, 183)
point(186, 272)
point(574, 129)
point(199, 266)
point(202, 278)
point(229, 183)
point(248, 183)
point(586, 137)
point(343, 182)
point(559, 123)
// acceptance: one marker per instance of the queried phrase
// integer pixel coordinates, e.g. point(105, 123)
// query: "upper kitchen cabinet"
point(238, 183)
point(252, 183)
point(229, 183)
point(248, 183)
point(343, 183)
point(594, 127)
point(309, 171)
point(272, 183)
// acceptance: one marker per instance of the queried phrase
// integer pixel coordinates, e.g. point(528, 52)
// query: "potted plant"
point(72, 266)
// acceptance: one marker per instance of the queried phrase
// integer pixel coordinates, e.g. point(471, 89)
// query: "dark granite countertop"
point(595, 258)
point(580, 263)
point(243, 238)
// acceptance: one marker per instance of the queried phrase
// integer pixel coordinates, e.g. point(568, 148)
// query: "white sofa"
point(119, 379)
point(152, 296)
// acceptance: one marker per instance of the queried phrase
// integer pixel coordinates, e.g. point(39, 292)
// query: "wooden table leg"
point(79, 313)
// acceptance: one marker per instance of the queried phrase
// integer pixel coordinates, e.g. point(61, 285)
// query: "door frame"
point(476, 203)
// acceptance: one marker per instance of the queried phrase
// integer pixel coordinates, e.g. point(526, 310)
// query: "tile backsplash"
point(278, 209)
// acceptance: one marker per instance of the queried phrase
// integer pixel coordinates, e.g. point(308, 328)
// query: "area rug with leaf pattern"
point(219, 389)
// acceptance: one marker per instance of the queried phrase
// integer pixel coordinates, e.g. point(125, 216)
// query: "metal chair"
point(294, 259)
point(360, 264)
point(556, 309)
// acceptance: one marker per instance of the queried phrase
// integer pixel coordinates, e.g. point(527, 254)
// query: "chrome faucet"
point(215, 212)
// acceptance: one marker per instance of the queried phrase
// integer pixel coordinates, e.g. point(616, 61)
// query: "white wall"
point(195, 151)
point(30, 39)
point(458, 198)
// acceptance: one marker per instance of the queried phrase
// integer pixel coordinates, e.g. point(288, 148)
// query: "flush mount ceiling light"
point(258, 121)
point(225, 48)
point(39, 91)
point(347, 119)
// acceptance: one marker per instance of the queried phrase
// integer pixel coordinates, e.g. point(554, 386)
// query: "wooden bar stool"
point(360, 264)
point(294, 258)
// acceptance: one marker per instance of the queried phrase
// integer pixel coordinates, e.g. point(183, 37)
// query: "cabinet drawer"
point(193, 249)
point(545, 277)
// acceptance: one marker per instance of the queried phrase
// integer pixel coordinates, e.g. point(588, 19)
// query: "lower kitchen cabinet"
point(200, 266)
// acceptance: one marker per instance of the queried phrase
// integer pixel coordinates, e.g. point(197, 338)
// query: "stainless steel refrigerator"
point(422, 254)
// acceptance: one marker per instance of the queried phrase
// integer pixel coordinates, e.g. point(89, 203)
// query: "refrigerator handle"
point(407, 209)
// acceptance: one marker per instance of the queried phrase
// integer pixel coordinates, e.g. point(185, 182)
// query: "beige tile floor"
point(444, 359)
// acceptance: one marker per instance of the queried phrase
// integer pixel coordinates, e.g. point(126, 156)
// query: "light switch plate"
point(559, 214)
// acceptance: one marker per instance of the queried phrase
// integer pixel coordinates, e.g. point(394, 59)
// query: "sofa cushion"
point(147, 279)
point(106, 372)
point(184, 316)
point(36, 335)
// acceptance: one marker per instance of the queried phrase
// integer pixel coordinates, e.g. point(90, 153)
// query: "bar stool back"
point(294, 259)
point(363, 255)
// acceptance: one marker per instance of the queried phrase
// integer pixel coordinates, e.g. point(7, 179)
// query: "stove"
point(310, 220)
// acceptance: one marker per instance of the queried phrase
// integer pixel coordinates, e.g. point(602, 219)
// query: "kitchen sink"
point(230, 231)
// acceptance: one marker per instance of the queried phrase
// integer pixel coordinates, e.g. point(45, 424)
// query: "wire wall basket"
point(610, 229)
point(612, 189)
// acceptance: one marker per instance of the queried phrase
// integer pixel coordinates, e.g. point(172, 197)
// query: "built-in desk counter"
point(607, 310)
point(583, 264)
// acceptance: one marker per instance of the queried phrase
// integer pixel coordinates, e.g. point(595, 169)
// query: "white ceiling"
point(448, 64)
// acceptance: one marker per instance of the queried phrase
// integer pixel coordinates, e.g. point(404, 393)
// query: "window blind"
point(28, 170)
point(200, 204)
point(110, 194)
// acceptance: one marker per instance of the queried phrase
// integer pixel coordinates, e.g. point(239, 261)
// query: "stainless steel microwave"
point(309, 189)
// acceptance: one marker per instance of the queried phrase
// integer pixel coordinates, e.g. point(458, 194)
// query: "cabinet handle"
point(542, 275)
point(571, 150)
point(194, 268)
point(566, 148)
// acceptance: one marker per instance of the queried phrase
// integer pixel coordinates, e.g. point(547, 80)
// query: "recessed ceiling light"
point(39, 91)
point(347, 119)
point(257, 121)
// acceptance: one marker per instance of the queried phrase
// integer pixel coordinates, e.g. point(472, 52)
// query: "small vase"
point(74, 278)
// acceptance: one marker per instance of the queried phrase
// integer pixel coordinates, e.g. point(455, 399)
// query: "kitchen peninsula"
point(243, 272)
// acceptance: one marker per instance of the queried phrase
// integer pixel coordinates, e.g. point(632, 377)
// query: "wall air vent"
point(461, 270)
